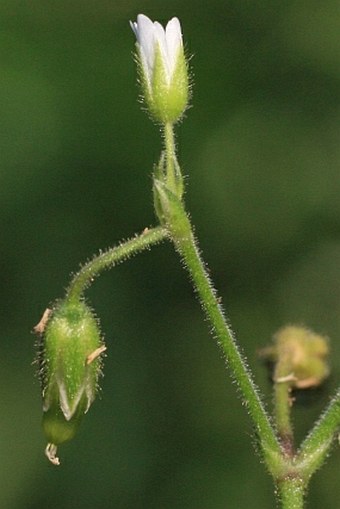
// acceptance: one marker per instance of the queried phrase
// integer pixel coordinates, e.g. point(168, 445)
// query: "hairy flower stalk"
point(70, 364)
point(70, 346)
point(162, 67)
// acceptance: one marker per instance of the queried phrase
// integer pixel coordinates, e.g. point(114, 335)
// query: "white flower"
point(151, 36)
point(163, 67)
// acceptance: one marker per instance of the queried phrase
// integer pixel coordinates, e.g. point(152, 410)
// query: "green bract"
point(70, 364)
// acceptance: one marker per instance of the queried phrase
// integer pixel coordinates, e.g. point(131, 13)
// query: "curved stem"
point(110, 258)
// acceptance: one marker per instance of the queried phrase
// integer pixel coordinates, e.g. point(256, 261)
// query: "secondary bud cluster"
point(300, 355)
point(70, 364)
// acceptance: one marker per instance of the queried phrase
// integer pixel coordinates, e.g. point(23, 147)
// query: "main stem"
point(291, 473)
point(289, 477)
point(291, 493)
point(187, 248)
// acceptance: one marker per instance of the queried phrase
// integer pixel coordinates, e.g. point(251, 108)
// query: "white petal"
point(145, 34)
point(150, 36)
point(173, 35)
point(161, 40)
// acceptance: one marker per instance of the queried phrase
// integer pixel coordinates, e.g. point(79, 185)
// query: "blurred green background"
point(261, 150)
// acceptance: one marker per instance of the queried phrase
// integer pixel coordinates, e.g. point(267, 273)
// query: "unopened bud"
point(162, 67)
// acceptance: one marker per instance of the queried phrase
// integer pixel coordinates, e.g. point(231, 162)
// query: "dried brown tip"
point(93, 356)
point(41, 326)
point(51, 453)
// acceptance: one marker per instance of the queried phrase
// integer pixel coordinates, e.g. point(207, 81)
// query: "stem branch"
point(283, 379)
point(316, 446)
point(111, 257)
point(282, 399)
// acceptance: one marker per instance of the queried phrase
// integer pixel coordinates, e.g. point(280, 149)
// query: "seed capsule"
point(70, 365)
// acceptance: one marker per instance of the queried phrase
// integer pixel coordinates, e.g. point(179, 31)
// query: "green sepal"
point(179, 181)
point(159, 174)
point(166, 101)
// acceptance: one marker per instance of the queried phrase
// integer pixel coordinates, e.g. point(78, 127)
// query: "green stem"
point(291, 492)
point(316, 446)
point(180, 228)
point(170, 149)
point(111, 257)
point(283, 401)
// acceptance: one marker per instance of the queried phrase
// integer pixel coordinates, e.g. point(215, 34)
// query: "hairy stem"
point(184, 240)
point(283, 402)
point(111, 257)
point(170, 149)
point(316, 446)
point(291, 493)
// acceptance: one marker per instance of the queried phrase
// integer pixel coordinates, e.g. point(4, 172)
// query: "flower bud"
point(70, 364)
point(300, 355)
point(162, 67)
